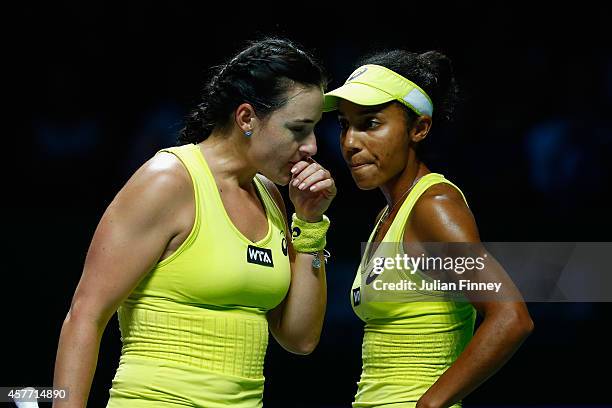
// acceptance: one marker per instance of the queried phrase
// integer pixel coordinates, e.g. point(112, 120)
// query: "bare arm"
point(441, 215)
point(298, 321)
point(128, 242)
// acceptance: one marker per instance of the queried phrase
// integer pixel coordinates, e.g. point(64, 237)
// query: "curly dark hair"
point(431, 70)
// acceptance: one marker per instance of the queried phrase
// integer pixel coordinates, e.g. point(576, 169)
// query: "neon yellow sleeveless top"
point(407, 344)
point(202, 309)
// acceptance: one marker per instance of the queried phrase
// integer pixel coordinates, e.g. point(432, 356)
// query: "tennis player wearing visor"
point(416, 353)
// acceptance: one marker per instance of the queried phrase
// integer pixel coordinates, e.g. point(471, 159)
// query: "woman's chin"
point(365, 183)
point(280, 179)
point(365, 177)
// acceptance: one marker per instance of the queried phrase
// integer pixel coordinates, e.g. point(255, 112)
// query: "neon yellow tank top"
point(407, 345)
point(203, 308)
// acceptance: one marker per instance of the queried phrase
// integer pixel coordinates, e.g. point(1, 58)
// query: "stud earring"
point(248, 133)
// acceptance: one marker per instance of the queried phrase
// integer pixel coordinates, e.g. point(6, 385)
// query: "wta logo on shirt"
point(259, 256)
point(356, 296)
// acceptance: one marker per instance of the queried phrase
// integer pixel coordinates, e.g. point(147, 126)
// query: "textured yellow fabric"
point(194, 331)
point(407, 344)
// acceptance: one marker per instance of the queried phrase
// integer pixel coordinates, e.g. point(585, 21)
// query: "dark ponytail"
point(261, 75)
point(432, 71)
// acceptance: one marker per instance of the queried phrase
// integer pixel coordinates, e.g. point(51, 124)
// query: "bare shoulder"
point(163, 173)
point(441, 195)
point(441, 214)
point(158, 189)
point(132, 235)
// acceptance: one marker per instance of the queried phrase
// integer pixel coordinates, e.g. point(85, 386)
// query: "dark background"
point(94, 89)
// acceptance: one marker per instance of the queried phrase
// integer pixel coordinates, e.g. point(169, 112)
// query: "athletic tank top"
point(203, 307)
point(407, 344)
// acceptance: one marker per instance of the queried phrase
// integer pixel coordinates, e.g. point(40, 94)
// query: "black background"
point(93, 89)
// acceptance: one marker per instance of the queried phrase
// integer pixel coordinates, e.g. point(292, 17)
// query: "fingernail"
point(301, 187)
point(295, 182)
point(293, 170)
point(313, 188)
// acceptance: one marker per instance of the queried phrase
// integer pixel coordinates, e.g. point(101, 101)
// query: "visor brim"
point(360, 94)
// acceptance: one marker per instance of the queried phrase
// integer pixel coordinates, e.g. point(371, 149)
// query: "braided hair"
point(260, 75)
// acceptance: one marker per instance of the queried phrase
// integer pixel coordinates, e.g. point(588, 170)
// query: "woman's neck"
point(226, 157)
point(395, 190)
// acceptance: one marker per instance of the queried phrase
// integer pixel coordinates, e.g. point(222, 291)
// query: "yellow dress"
point(194, 332)
point(407, 344)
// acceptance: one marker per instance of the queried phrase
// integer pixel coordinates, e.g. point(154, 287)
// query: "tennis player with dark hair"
point(195, 254)
point(424, 353)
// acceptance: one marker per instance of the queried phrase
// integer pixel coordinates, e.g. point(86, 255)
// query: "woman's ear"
point(420, 129)
point(245, 117)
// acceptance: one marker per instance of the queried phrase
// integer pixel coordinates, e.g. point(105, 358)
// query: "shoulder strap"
point(396, 231)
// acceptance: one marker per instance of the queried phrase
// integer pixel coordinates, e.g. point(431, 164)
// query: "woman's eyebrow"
point(303, 120)
point(369, 110)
